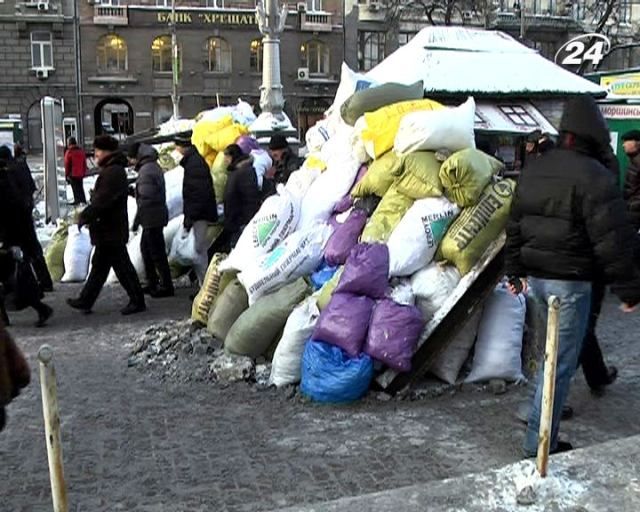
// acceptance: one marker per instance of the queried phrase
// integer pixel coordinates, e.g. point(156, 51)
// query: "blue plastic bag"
point(329, 375)
point(322, 274)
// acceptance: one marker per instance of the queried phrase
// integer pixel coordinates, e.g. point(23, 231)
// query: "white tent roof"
point(457, 60)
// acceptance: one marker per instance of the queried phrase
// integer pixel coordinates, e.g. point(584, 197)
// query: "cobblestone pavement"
point(136, 444)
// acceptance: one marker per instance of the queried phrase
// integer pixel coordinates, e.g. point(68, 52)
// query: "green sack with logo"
point(465, 174)
point(380, 176)
point(54, 255)
point(477, 226)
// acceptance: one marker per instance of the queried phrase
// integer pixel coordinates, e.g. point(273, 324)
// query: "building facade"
point(126, 60)
point(37, 58)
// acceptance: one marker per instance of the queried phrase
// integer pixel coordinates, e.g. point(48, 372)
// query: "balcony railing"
point(315, 21)
point(110, 15)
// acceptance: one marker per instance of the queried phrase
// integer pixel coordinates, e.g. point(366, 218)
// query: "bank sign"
point(193, 18)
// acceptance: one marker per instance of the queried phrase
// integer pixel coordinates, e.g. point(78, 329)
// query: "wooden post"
point(49, 390)
point(549, 389)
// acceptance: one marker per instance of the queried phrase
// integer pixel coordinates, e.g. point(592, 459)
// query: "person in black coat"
point(631, 144)
point(199, 200)
point(106, 216)
point(567, 226)
point(153, 216)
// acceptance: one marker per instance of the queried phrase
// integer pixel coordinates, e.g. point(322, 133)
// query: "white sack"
point(261, 164)
point(499, 344)
point(317, 136)
point(358, 145)
point(77, 254)
point(173, 184)
point(171, 230)
point(134, 249)
point(402, 292)
point(300, 182)
point(432, 286)
point(414, 241)
point(350, 82)
point(285, 367)
point(431, 130)
point(297, 256)
point(183, 248)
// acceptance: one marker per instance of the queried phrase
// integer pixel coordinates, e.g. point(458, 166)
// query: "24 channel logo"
point(586, 48)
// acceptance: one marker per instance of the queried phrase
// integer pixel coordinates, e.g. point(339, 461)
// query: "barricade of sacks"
point(338, 274)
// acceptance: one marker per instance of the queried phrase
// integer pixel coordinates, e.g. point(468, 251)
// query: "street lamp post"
point(175, 98)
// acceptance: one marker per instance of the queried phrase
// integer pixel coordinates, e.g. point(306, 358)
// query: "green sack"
point(374, 98)
point(209, 291)
point(379, 177)
point(387, 216)
point(257, 328)
point(219, 176)
point(54, 255)
point(420, 178)
point(476, 227)
point(228, 307)
point(324, 294)
point(465, 174)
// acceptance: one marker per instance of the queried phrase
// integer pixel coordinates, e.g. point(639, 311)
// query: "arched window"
point(315, 56)
point(111, 53)
point(219, 53)
point(161, 54)
point(255, 61)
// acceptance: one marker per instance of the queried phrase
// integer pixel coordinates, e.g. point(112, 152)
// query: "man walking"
point(199, 199)
point(108, 224)
point(153, 216)
point(567, 225)
point(631, 145)
point(75, 169)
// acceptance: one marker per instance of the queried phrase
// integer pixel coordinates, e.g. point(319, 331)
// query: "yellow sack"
point(387, 216)
point(219, 140)
point(382, 125)
point(420, 178)
point(380, 176)
point(211, 158)
point(209, 291)
point(314, 162)
point(219, 176)
point(466, 173)
point(324, 294)
point(54, 255)
point(204, 129)
point(477, 226)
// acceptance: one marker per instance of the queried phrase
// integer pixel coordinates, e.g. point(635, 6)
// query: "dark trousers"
point(226, 241)
point(154, 255)
point(593, 366)
point(30, 245)
point(106, 257)
point(78, 190)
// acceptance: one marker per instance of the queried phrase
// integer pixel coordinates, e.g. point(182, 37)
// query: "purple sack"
point(366, 271)
point(393, 334)
point(344, 238)
point(247, 143)
point(361, 173)
point(343, 205)
point(344, 322)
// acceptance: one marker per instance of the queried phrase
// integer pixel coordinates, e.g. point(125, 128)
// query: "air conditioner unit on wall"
point(301, 7)
point(374, 6)
point(303, 74)
point(42, 74)
point(467, 15)
point(43, 6)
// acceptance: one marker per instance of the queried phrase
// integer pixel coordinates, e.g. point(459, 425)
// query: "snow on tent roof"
point(456, 60)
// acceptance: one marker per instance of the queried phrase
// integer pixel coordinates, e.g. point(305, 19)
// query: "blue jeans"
point(575, 303)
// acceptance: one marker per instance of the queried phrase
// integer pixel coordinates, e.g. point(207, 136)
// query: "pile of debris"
point(184, 352)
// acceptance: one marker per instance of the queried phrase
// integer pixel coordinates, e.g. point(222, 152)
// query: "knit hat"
point(5, 153)
point(278, 142)
point(631, 135)
point(105, 143)
point(182, 141)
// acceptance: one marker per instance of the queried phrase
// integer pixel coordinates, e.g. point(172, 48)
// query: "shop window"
point(518, 115)
point(219, 55)
point(370, 49)
point(404, 38)
point(315, 56)
point(255, 60)
point(314, 6)
point(111, 54)
point(161, 54)
point(163, 3)
point(215, 4)
point(41, 50)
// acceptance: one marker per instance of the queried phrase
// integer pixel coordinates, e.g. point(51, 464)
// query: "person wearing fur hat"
point(108, 224)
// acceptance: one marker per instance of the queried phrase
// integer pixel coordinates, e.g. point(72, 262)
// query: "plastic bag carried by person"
point(183, 249)
point(466, 173)
point(447, 365)
point(297, 256)
point(414, 241)
point(329, 375)
point(226, 309)
point(256, 328)
point(393, 334)
point(432, 130)
point(432, 286)
point(499, 345)
point(345, 237)
point(261, 164)
point(371, 99)
point(380, 176)
point(287, 358)
point(171, 230)
point(366, 271)
point(77, 254)
point(476, 227)
point(54, 255)
point(209, 291)
point(173, 185)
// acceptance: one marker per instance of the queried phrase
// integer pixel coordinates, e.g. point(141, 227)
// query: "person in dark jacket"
point(22, 216)
point(75, 169)
point(631, 144)
point(106, 216)
point(568, 225)
point(153, 216)
point(241, 195)
point(284, 161)
point(199, 200)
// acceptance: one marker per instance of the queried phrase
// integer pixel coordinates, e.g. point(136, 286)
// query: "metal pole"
point(549, 389)
point(522, 11)
point(49, 390)
point(175, 99)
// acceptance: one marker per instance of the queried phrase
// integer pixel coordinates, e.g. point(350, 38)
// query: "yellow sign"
point(209, 18)
point(622, 85)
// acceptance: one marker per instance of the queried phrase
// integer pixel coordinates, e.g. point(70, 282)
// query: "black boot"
point(162, 292)
point(611, 377)
point(79, 305)
point(44, 313)
point(132, 308)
